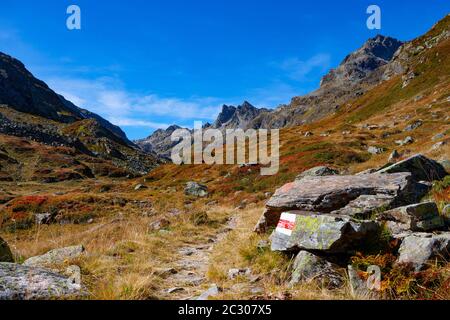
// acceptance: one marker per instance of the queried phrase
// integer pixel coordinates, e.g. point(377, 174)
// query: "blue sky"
point(145, 64)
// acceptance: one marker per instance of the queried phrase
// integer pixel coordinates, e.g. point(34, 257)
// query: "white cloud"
point(298, 69)
point(124, 122)
point(108, 97)
point(273, 95)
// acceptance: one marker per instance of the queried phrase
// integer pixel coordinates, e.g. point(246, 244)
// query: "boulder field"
point(323, 218)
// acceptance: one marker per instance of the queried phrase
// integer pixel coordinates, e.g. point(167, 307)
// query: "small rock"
point(159, 224)
point(359, 286)
point(56, 256)
point(422, 217)
point(406, 141)
point(43, 218)
point(439, 136)
point(418, 248)
point(446, 210)
point(368, 171)
point(140, 187)
point(445, 164)
point(213, 291)
point(309, 134)
point(257, 290)
point(174, 212)
point(446, 214)
point(164, 273)
point(308, 267)
point(195, 189)
point(175, 290)
point(320, 171)
point(415, 125)
point(438, 145)
point(394, 156)
point(235, 273)
point(375, 150)
point(5, 252)
point(263, 244)
point(187, 251)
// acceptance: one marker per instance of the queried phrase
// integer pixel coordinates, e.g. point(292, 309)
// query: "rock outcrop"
point(421, 168)
point(320, 171)
point(18, 282)
point(420, 217)
point(325, 232)
point(351, 195)
point(308, 267)
point(418, 248)
point(196, 190)
point(56, 256)
point(326, 219)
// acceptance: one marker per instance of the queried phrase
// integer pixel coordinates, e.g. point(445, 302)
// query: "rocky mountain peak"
point(375, 52)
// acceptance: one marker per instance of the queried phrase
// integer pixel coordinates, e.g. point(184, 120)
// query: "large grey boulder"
point(421, 217)
point(421, 168)
point(195, 189)
point(418, 248)
point(56, 256)
point(18, 282)
point(348, 195)
point(320, 171)
point(308, 267)
point(323, 232)
point(5, 252)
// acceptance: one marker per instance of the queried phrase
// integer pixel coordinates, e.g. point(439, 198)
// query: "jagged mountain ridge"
point(357, 73)
point(230, 117)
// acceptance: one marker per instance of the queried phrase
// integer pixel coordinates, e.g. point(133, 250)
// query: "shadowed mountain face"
point(31, 111)
point(237, 117)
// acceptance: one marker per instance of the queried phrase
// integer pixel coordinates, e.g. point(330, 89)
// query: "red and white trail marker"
point(286, 224)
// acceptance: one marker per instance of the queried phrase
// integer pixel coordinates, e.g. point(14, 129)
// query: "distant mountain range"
point(45, 137)
point(359, 72)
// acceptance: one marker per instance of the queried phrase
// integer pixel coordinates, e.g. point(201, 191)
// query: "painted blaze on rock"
point(299, 230)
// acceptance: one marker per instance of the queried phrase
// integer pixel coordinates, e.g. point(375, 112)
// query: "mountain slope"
point(359, 72)
point(31, 111)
